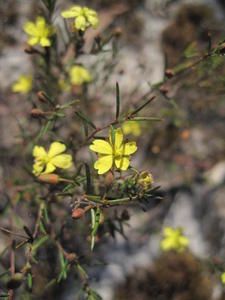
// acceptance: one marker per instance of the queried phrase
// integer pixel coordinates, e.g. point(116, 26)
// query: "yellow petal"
point(55, 149)
point(183, 241)
point(104, 164)
point(118, 137)
point(39, 152)
point(122, 163)
point(40, 23)
point(128, 148)
point(101, 146)
point(45, 42)
point(80, 23)
point(223, 278)
point(63, 161)
point(74, 11)
point(37, 168)
point(30, 28)
point(93, 21)
point(168, 231)
point(166, 244)
point(49, 168)
point(33, 41)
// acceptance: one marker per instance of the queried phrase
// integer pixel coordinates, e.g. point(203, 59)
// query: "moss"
point(172, 277)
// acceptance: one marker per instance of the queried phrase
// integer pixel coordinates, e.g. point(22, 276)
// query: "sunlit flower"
point(39, 32)
point(46, 162)
point(23, 85)
point(113, 152)
point(223, 277)
point(174, 240)
point(145, 180)
point(79, 75)
point(132, 127)
point(83, 17)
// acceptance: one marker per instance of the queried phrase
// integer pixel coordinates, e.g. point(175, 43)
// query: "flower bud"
point(164, 89)
point(117, 32)
point(109, 178)
point(169, 73)
point(145, 180)
point(41, 96)
point(71, 257)
point(29, 49)
point(78, 213)
point(49, 178)
point(36, 112)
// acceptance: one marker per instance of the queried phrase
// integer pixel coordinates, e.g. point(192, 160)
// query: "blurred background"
point(185, 151)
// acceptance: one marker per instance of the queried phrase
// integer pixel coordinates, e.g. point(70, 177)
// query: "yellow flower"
point(23, 84)
point(174, 240)
point(39, 32)
point(79, 75)
point(111, 153)
point(83, 17)
point(47, 162)
point(145, 180)
point(132, 127)
point(223, 277)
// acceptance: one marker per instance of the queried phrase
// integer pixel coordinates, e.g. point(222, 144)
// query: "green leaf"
point(117, 100)
point(85, 128)
point(48, 98)
point(93, 295)
point(42, 228)
point(64, 267)
point(66, 105)
point(88, 179)
point(95, 219)
point(84, 118)
point(44, 129)
point(29, 281)
point(142, 106)
point(45, 213)
point(139, 119)
point(82, 271)
point(113, 134)
point(39, 243)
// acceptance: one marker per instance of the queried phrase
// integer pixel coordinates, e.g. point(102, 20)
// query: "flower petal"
point(101, 146)
point(168, 231)
point(39, 152)
point(33, 41)
point(183, 241)
point(118, 137)
point(128, 148)
point(122, 163)
point(104, 164)
point(38, 168)
point(40, 23)
point(74, 11)
point(49, 168)
point(166, 244)
point(55, 149)
point(45, 42)
point(63, 161)
point(30, 28)
point(80, 23)
point(93, 21)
